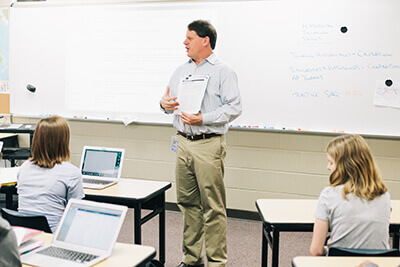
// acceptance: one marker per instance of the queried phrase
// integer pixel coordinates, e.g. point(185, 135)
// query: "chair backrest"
point(336, 251)
point(33, 221)
point(155, 263)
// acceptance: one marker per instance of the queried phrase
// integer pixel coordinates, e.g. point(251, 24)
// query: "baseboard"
point(171, 206)
point(232, 213)
point(243, 214)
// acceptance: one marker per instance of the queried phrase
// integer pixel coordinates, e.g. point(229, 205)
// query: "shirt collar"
point(211, 59)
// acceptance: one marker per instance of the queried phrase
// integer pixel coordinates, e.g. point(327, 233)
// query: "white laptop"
point(101, 166)
point(86, 235)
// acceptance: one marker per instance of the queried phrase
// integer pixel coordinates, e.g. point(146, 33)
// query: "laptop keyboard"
point(67, 254)
point(91, 181)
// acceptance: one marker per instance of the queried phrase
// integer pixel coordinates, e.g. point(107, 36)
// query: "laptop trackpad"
point(46, 261)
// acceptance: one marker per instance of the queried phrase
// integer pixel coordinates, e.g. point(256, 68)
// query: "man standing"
point(201, 147)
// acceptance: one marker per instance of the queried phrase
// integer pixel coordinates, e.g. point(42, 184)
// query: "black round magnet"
point(388, 83)
point(31, 88)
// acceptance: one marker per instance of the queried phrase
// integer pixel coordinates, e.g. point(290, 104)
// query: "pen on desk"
point(32, 249)
point(26, 252)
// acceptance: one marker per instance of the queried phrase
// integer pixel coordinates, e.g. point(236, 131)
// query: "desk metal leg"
point(264, 249)
point(138, 223)
point(9, 191)
point(162, 229)
point(396, 237)
point(275, 248)
point(9, 200)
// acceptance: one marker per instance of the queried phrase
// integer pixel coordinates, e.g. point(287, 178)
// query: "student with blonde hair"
point(48, 180)
point(355, 207)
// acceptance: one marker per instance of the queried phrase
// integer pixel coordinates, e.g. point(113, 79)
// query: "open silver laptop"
point(101, 166)
point(86, 235)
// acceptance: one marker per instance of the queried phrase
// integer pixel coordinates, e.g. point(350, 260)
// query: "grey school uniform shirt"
point(46, 191)
point(356, 222)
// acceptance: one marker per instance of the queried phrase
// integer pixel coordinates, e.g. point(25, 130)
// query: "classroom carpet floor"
point(244, 240)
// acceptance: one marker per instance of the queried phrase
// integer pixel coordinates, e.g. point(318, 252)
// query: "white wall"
point(259, 164)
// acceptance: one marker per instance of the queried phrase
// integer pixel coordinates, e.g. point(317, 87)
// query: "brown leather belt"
point(198, 137)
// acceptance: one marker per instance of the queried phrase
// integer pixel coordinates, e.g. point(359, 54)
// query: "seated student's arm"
point(321, 229)
point(75, 187)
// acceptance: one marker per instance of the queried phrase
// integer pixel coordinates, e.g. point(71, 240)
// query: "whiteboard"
point(314, 65)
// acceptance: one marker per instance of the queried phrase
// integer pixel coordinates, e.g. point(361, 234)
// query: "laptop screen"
point(90, 226)
point(101, 162)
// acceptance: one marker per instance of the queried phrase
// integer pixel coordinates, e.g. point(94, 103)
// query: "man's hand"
point(168, 102)
point(192, 119)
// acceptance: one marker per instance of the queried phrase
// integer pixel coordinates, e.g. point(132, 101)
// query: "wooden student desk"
point(297, 215)
point(23, 128)
point(133, 193)
point(344, 261)
point(9, 139)
point(8, 179)
point(15, 153)
point(122, 254)
point(137, 194)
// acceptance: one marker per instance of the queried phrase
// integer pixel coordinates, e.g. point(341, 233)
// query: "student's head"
point(353, 165)
point(201, 37)
point(50, 145)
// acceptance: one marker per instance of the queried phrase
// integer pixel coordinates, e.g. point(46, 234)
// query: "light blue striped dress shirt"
point(221, 102)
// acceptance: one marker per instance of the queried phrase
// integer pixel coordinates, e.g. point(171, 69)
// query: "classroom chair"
point(337, 251)
point(33, 221)
point(154, 263)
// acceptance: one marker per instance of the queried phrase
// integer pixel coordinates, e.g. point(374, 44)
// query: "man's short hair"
point(204, 28)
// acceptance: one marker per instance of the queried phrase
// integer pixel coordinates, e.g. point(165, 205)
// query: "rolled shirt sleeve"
point(75, 187)
point(231, 106)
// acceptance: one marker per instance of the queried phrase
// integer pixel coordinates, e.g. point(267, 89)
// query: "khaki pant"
point(201, 198)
